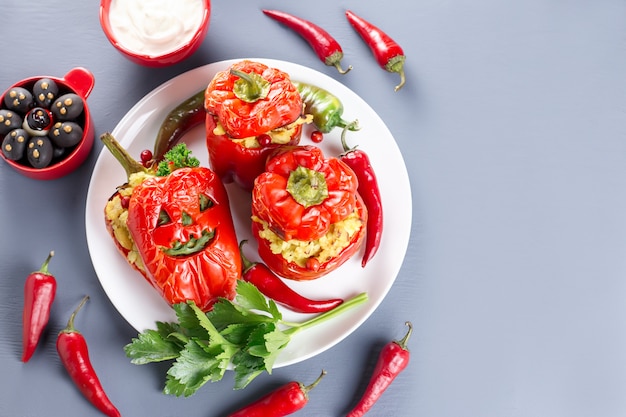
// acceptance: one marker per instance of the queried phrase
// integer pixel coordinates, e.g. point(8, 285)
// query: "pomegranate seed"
point(264, 139)
point(313, 264)
point(145, 156)
point(317, 136)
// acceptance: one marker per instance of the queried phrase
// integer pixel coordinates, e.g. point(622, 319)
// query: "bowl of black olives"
point(45, 124)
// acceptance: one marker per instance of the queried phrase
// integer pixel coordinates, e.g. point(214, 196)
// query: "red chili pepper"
point(39, 292)
point(387, 52)
point(369, 191)
point(392, 360)
point(325, 46)
point(74, 354)
point(285, 400)
point(275, 288)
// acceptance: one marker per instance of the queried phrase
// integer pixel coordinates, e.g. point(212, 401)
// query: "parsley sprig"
point(177, 157)
point(247, 333)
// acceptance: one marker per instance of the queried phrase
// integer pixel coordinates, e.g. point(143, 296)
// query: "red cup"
point(165, 59)
point(79, 81)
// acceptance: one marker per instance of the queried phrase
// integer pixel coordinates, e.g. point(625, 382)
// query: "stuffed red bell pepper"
point(308, 217)
point(251, 109)
point(175, 227)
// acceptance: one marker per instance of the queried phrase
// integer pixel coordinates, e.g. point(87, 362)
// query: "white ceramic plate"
point(141, 306)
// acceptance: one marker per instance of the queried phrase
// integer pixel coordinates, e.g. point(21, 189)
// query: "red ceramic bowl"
point(156, 60)
point(79, 81)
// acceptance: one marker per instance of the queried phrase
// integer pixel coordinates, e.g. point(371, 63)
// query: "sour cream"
point(155, 27)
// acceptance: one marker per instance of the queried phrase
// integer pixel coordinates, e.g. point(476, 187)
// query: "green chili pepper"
point(179, 121)
point(327, 109)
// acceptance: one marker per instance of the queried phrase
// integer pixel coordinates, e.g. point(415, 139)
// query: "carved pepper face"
point(184, 232)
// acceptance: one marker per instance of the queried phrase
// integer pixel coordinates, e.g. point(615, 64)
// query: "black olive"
point(58, 152)
point(38, 122)
point(9, 120)
point(67, 107)
point(18, 99)
point(45, 91)
point(14, 144)
point(39, 151)
point(66, 134)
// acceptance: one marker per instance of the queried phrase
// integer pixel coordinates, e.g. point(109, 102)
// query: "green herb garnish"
point(177, 157)
point(247, 333)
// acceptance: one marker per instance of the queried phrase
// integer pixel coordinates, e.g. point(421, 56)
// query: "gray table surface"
point(513, 129)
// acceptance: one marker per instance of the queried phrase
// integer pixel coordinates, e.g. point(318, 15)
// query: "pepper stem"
point(70, 323)
point(130, 164)
point(403, 342)
point(341, 70)
point(396, 64)
point(307, 186)
point(247, 264)
point(327, 315)
point(402, 81)
point(44, 266)
point(250, 87)
point(307, 388)
point(353, 125)
point(345, 130)
point(334, 59)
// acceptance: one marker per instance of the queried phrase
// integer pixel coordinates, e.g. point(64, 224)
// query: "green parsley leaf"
point(188, 320)
point(267, 343)
point(249, 297)
point(192, 369)
point(218, 346)
point(246, 367)
point(151, 346)
point(249, 301)
point(177, 157)
point(275, 341)
point(226, 313)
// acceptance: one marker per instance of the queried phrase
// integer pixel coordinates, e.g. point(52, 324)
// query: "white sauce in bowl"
point(155, 27)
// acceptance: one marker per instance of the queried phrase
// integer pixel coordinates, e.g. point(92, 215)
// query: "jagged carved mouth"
point(194, 243)
point(191, 246)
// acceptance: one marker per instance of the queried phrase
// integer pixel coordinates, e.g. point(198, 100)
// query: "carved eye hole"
point(164, 218)
point(205, 202)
